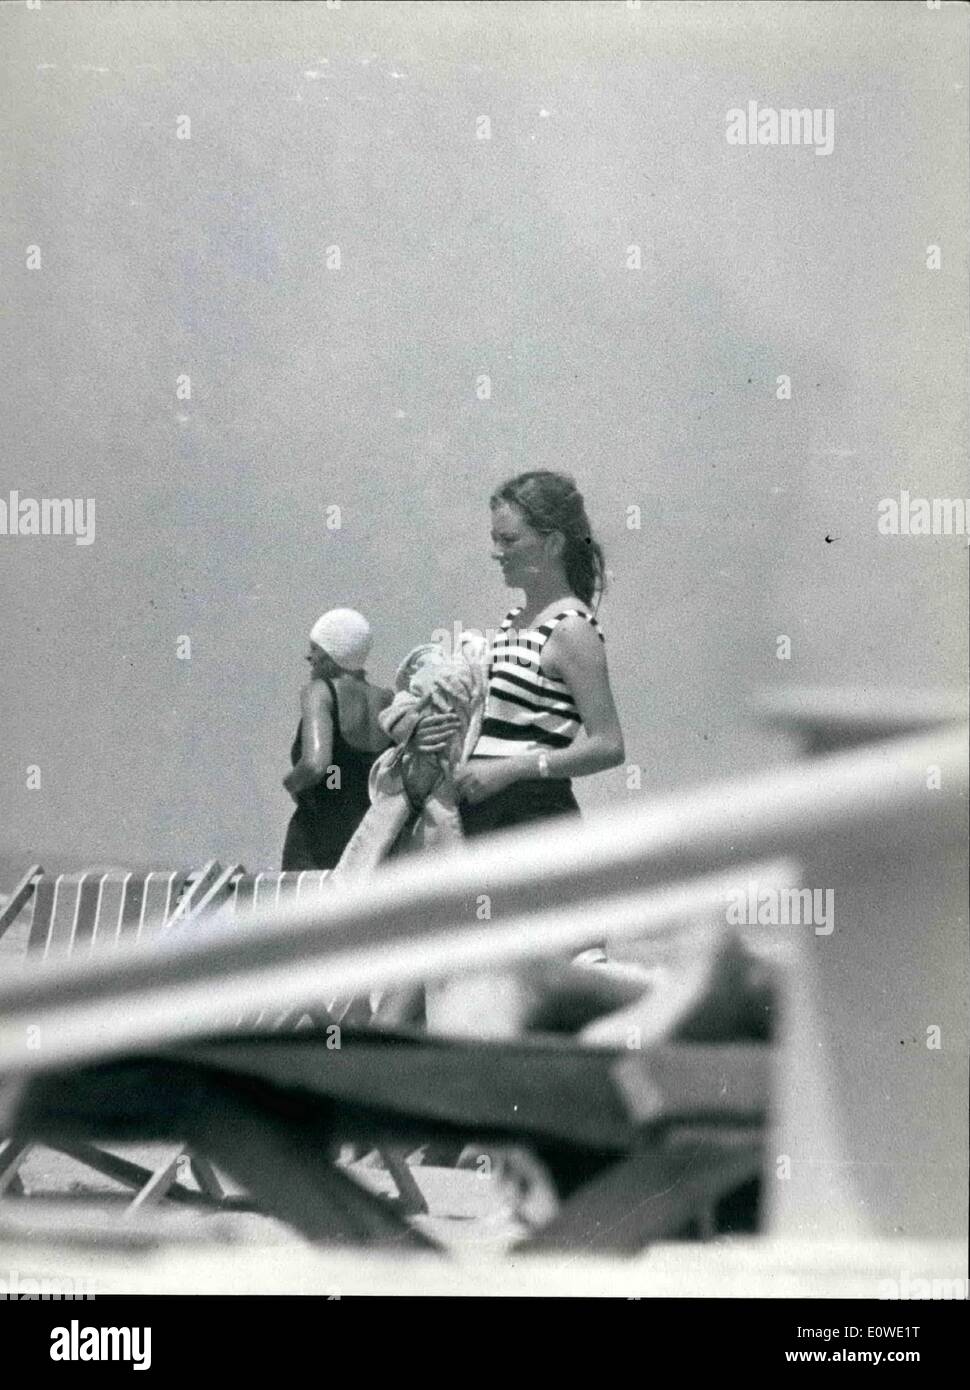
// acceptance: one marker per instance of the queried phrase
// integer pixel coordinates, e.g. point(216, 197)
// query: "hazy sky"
point(314, 387)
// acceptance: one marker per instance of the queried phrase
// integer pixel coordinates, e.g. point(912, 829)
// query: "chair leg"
point(12, 1154)
point(410, 1198)
point(646, 1197)
point(205, 1175)
point(158, 1185)
point(131, 1174)
point(278, 1162)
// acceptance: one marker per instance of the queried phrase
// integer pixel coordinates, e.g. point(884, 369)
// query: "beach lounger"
point(81, 913)
point(640, 1145)
point(85, 912)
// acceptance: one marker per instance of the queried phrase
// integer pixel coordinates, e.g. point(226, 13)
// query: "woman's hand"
point(434, 732)
point(485, 777)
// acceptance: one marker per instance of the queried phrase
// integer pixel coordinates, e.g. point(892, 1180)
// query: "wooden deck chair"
point(638, 1143)
point(80, 913)
point(92, 910)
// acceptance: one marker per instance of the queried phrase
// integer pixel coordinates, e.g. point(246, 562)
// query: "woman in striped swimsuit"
point(548, 674)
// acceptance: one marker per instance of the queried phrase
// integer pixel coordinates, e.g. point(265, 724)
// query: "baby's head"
point(417, 671)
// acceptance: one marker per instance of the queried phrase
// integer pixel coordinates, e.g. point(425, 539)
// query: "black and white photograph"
point(484, 759)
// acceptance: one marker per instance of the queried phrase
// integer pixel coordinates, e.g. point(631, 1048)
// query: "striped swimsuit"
point(525, 711)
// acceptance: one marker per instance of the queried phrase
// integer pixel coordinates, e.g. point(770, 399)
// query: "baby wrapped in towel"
point(413, 799)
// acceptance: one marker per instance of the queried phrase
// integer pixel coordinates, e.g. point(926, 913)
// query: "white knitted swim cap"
point(345, 636)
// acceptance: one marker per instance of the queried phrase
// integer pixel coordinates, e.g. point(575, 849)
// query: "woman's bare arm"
point(576, 654)
point(316, 739)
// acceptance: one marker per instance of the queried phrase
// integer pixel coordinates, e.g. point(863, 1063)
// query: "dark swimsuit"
point(527, 801)
point(327, 816)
